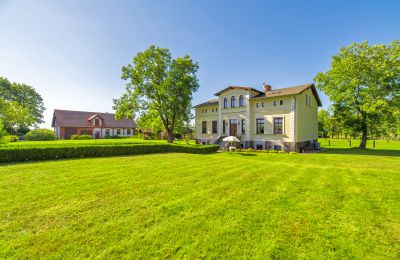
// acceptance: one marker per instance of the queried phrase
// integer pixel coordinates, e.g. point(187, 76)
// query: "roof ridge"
point(110, 113)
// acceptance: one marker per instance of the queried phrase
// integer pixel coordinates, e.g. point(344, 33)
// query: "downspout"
point(295, 118)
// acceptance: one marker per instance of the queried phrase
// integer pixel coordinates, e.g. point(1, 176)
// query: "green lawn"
point(341, 203)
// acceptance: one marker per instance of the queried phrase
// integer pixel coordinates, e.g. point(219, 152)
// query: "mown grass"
point(223, 205)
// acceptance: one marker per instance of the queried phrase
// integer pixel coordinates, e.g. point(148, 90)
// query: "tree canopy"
point(364, 84)
point(21, 106)
point(159, 84)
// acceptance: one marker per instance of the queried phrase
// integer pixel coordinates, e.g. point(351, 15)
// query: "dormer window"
point(95, 120)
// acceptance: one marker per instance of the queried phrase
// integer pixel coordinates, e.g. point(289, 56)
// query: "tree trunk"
point(170, 136)
point(364, 131)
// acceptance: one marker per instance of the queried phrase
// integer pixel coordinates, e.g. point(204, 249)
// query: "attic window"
point(97, 122)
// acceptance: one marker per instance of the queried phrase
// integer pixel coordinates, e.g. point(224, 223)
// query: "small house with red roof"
point(98, 125)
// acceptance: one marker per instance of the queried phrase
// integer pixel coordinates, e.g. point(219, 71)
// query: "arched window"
point(233, 101)
point(225, 102)
point(241, 100)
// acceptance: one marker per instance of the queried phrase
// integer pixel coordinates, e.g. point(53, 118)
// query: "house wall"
point(235, 113)
point(268, 111)
point(92, 130)
point(208, 114)
point(307, 117)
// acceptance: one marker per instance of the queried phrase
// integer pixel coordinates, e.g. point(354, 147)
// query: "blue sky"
point(72, 51)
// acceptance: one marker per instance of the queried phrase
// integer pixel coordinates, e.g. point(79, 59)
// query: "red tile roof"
point(68, 118)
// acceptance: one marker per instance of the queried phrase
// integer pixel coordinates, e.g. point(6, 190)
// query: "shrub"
point(40, 135)
point(10, 138)
point(17, 154)
point(81, 137)
point(292, 152)
point(281, 151)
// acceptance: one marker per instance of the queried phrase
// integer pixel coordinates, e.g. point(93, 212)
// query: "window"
point(281, 102)
point(256, 104)
point(277, 147)
point(118, 131)
point(128, 131)
point(97, 122)
point(259, 147)
point(233, 101)
point(275, 103)
point(204, 127)
point(278, 125)
point(225, 102)
point(107, 132)
point(243, 126)
point(212, 109)
point(262, 104)
point(260, 125)
point(214, 127)
point(216, 109)
point(308, 100)
point(241, 101)
point(223, 127)
point(205, 111)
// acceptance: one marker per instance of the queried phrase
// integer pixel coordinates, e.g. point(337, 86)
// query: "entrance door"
point(233, 127)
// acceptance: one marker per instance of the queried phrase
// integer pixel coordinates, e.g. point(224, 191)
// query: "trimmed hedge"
point(10, 138)
point(41, 135)
point(81, 137)
point(15, 154)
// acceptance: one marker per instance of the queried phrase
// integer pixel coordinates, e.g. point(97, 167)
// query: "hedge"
point(41, 135)
point(16, 154)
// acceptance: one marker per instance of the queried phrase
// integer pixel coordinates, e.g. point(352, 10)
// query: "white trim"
point(283, 123)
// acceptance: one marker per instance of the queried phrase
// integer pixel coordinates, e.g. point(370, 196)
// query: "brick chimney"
point(267, 87)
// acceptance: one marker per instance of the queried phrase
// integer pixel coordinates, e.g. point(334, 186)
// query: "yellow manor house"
point(273, 119)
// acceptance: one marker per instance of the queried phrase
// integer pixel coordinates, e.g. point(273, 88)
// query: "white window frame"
point(283, 124)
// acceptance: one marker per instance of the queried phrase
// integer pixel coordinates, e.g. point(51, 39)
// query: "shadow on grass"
point(358, 151)
point(247, 154)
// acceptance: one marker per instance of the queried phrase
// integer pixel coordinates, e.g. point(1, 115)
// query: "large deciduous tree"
point(363, 83)
point(159, 83)
point(22, 106)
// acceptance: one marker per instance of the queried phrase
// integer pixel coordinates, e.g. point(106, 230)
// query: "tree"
point(324, 123)
point(161, 85)
point(362, 82)
point(22, 96)
point(150, 120)
point(15, 116)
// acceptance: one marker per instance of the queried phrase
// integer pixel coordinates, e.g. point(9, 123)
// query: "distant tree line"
point(364, 85)
point(331, 126)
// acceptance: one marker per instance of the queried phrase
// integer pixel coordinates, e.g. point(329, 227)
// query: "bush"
point(40, 135)
point(81, 137)
point(17, 154)
point(10, 138)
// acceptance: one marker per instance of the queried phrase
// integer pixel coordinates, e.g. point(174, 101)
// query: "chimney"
point(267, 87)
